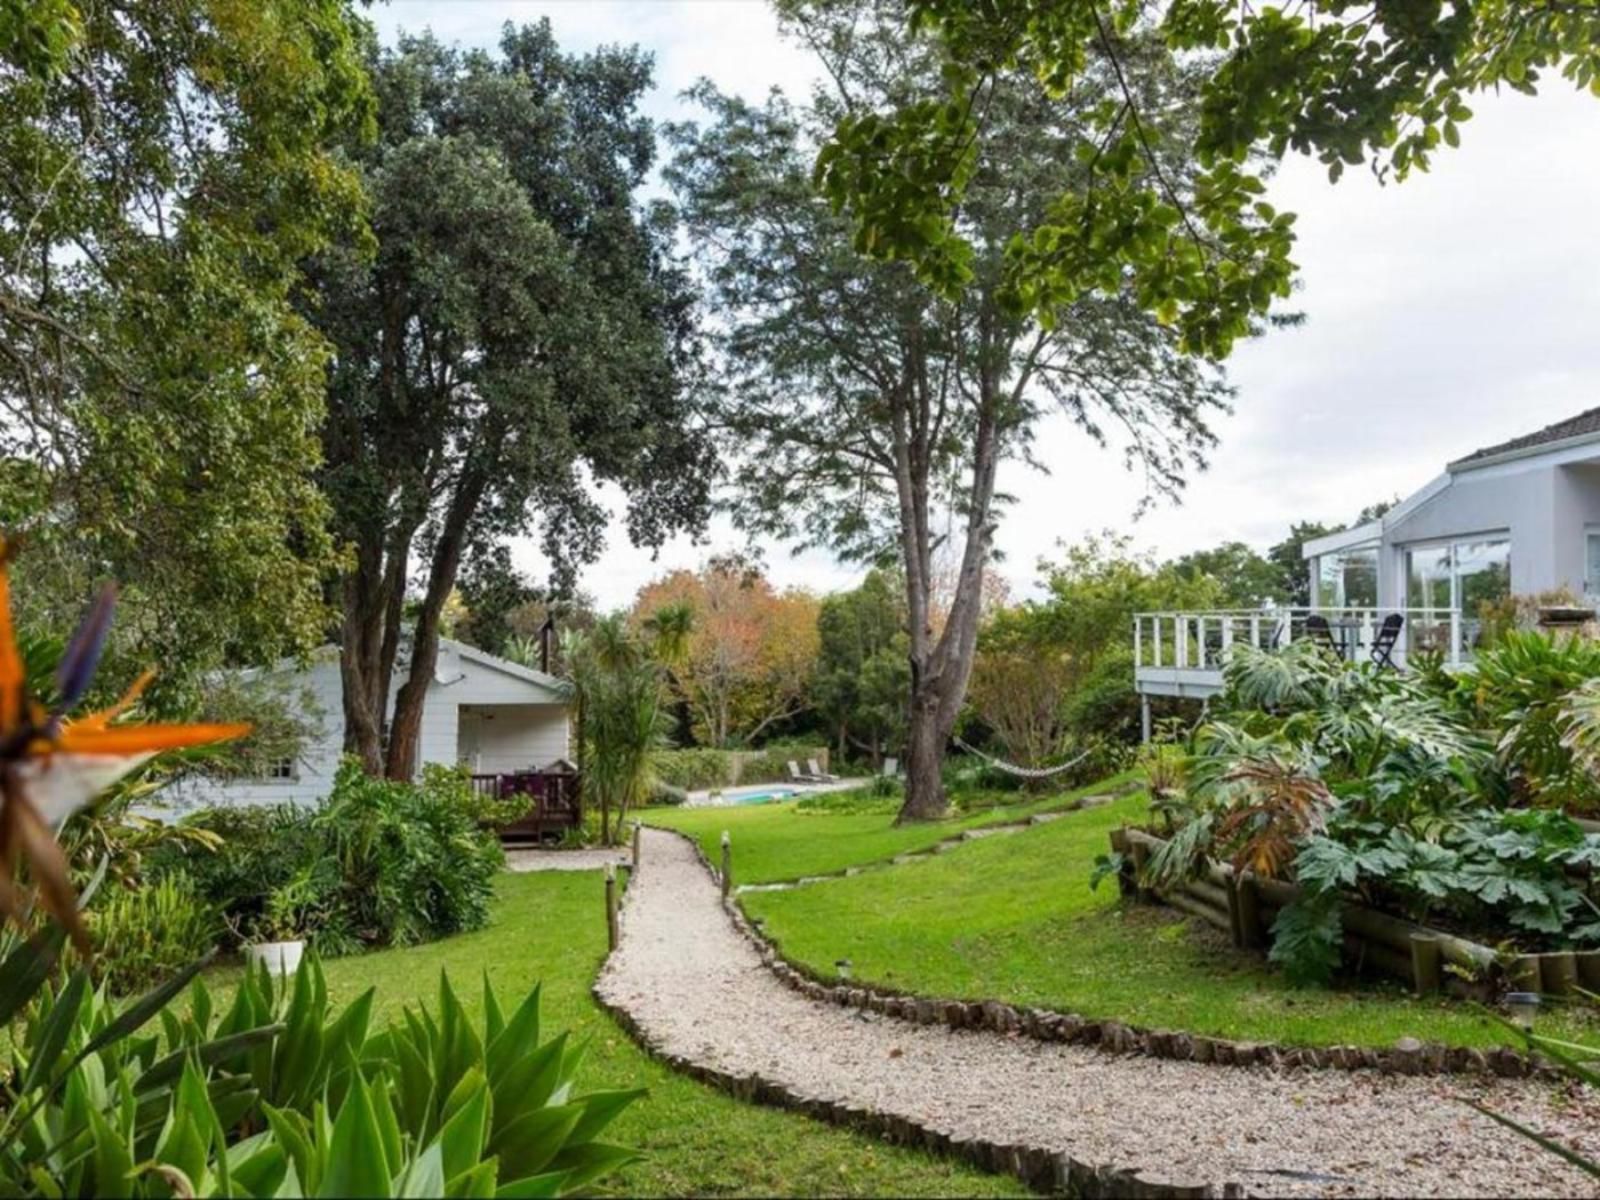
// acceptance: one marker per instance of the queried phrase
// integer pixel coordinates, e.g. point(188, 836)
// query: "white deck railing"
point(1202, 641)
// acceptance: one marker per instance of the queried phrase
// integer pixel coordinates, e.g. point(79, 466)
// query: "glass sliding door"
point(1464, 575)
point(1348, 578)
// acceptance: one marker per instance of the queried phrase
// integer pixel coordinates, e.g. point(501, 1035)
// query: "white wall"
point(500, 739)
point(534, 731)
point(319, 754)
point(1544, 507)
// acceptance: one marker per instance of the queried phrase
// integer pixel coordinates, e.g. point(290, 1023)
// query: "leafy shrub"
point(292, 1099)
point(1392, 789)
point(1520, 692)
point(413, 862)
point(147, 933)
point(381, 863)
point(260, 853)
point(701, 767)
point(695, 769)
point(771, 764)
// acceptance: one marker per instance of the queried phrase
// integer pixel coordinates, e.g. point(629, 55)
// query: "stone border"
point(1045, 1171)
point(977, 833)
point(1408, 1056)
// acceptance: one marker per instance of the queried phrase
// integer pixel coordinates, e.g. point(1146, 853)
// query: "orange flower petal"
point(11, 678)
point(142, 739)
point(99, 720)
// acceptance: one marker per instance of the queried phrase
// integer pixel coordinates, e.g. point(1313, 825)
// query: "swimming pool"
point(767, 797)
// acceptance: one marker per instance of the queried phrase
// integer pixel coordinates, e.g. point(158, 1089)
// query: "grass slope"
point(1012, 917)
point(697, 1141)
point(779, 841)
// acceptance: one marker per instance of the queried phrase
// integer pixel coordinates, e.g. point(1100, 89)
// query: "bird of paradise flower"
point(52, 764)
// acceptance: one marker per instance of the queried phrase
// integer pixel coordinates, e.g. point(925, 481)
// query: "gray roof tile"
point(1579, 426)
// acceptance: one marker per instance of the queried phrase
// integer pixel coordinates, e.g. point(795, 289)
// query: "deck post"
point(1144, 719)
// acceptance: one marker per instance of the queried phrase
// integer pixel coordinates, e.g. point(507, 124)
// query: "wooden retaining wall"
point(1428, 959)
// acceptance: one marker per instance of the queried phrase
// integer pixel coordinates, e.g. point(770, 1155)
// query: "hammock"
point(1021, 772)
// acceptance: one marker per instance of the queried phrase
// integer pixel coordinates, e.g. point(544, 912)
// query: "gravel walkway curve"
point(694, 988)
point(566, 860)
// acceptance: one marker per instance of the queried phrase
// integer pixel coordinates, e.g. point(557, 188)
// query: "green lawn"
point(778, 841)
point(1012, 918)
point(697, 1141)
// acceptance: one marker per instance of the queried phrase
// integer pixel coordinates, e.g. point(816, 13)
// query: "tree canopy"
point(748, 650)
point(521, 332)
point(1345, 80)
point(164, 168)
point(878, 413)
point(863, 669)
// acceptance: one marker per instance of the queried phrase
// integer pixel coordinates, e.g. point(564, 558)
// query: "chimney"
point(545, 632)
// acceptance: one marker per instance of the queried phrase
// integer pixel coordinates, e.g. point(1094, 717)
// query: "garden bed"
point(1429, 959)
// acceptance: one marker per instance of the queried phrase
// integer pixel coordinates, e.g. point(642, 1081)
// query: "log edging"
point(1408, 1056)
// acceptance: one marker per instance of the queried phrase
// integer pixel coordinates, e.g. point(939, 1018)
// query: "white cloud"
point(1449, 312)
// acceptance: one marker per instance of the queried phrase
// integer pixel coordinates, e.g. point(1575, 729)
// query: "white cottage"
point(504, 721)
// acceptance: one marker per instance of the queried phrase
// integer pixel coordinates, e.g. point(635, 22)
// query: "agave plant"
point(280, 1096)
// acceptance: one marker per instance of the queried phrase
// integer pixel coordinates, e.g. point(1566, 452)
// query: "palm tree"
point(669, 629)
point(619, 698)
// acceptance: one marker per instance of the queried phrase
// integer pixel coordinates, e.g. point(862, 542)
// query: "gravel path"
point(695, 988)
point(566, 860)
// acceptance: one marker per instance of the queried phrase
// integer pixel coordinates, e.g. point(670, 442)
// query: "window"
point(1463, 575)
point(278, 769)
point(1348, 578)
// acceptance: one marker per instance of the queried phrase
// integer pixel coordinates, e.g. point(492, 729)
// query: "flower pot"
point(282, 958)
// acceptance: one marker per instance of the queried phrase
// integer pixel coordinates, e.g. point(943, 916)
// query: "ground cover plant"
point(826, 833)
point(1014, 918)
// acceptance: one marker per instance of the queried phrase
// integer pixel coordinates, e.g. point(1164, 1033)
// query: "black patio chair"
point(1383, 645)
point(1320, 632)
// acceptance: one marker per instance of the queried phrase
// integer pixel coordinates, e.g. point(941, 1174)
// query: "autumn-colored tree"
point(750, 651)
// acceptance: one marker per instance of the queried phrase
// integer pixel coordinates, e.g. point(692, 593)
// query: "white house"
point(497, 717)
point(1520, 518)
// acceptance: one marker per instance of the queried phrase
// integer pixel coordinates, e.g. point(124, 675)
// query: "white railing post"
point(1227, 640)
point(1455, 637)
point(1255, 633)
point(1200, 641)
point(1138, 641)
point(1180, 628)
point(1155, 640)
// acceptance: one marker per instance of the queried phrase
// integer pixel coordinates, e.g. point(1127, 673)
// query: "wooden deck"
point(556, 803)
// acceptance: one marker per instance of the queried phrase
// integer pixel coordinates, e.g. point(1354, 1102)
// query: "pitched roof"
point(1585, 424)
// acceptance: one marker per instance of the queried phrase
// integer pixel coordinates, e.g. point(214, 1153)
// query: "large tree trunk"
point(359, 643)
point(940, 670)
point(405, 731)
point(925, 797)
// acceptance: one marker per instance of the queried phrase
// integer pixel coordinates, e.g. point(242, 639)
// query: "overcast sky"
point(1451, 312)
